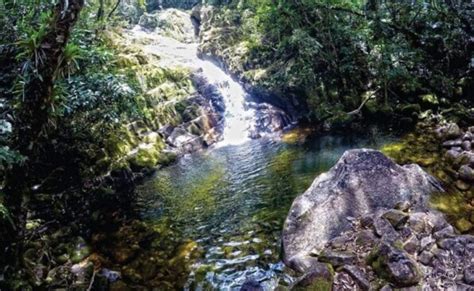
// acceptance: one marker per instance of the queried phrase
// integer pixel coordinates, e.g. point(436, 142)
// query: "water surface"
point(231, 201)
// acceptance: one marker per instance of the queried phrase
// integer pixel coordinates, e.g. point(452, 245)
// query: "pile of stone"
point(391, 249)
point(459, 154)
point(366, 224)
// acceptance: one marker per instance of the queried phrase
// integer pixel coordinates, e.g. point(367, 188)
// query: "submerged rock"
point(361, 182)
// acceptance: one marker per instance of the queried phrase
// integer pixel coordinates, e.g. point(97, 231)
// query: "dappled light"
point(236, 145)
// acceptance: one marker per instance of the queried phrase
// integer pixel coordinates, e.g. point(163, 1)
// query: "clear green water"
point(231, 203)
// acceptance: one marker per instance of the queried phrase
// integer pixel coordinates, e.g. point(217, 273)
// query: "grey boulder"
point(361, 182)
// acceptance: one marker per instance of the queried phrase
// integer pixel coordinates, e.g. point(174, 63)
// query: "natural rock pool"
point(223, 209)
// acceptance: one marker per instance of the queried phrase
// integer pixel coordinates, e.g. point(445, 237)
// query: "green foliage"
point(334, 51)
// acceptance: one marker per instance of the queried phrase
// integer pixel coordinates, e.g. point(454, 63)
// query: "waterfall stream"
point(173, 53)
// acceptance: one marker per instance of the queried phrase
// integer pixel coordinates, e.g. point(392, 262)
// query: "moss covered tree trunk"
point(31, 123)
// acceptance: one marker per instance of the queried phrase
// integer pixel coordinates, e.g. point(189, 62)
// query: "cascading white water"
point(238, 118)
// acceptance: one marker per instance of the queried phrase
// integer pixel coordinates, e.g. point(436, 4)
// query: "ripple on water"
point(232, 201)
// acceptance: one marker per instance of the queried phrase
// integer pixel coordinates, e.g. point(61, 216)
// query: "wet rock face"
point(205, 125)
point(269, 118)
point(360, 183)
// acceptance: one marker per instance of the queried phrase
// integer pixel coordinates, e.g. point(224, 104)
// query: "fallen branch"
point(357, 111)
point(91, 284)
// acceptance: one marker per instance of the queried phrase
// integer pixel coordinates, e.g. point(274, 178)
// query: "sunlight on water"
point(238, 119)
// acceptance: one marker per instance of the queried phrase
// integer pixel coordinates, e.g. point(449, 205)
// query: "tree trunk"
point(100, 12)
point(32, 119)
point(113, 9)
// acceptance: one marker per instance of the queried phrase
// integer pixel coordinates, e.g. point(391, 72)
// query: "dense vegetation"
point(75, 97)
point(406, 57)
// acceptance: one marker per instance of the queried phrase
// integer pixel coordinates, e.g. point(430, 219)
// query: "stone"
point(304, 264)
point(395, 266)
point(384, 229)
point(437, 222)
point(452, 143)
point(461, 185)
point(82, 272)
point(448, 231)
point(358, 276)
point(451, 155)
point(251, 285)
point(111, 276)
point(469, 275)
point(466, 173)
point(416, 222)
point(405, 233)
point(467, 136)
point(466, 145)
point(361, 182)
point(450, 130)
point(365, 238)
point(425, 257)
point(339, 242)
point(320, 279)
point(463, 287)
point(449, 243)
point(396, 218)
point(403, 206)
point(412, 245)
point(367, 221)
point(457, 149)
point(337, 259)
point(426, 242)
point(463, 225)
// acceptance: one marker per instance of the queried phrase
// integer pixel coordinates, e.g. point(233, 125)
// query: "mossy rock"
point(126, 61)
point(118, 148)
point(167, 158)
point(318, 279)
point(145, 158)
point(394, 265)
point(463, 225)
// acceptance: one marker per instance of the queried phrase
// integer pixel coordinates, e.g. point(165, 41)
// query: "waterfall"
point(238, 118)
point(173, 53)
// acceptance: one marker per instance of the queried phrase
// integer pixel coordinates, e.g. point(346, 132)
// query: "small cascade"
point(238, 118)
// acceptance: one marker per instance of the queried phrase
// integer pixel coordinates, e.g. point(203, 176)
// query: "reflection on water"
point(232, 202)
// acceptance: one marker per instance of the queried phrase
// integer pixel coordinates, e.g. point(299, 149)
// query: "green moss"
point(146, 158)
point(167, 158)
point(319, 285)
point(463, 225)
point(430, 98)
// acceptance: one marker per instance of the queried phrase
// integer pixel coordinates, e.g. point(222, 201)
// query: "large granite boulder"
point(361, 182)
